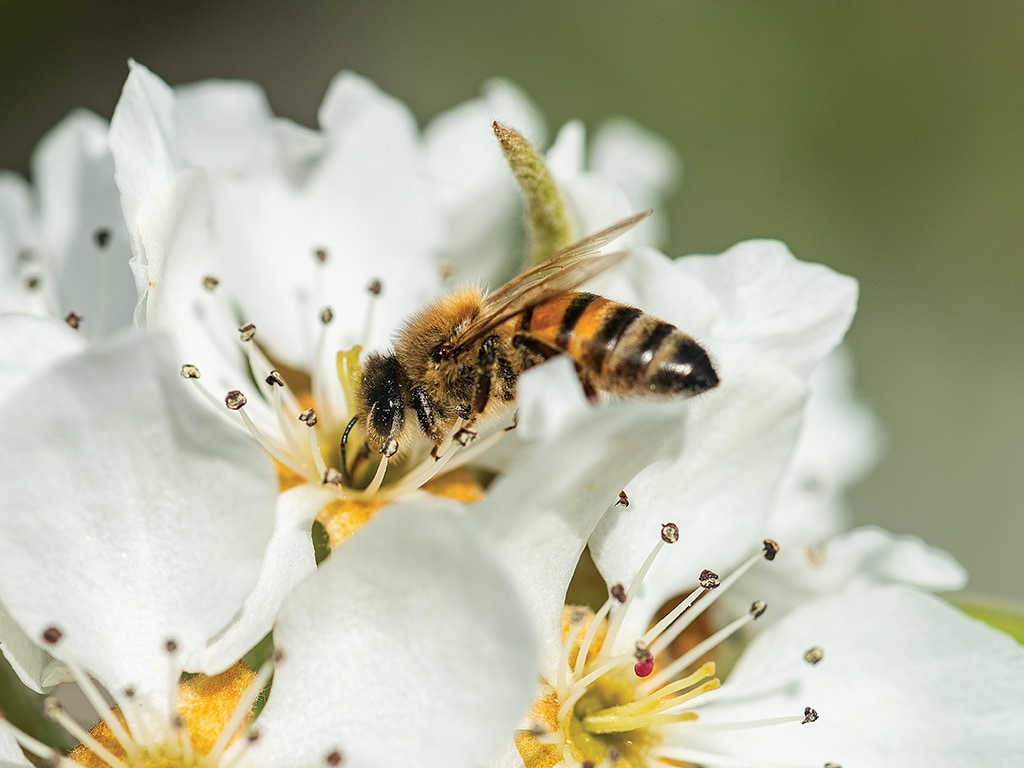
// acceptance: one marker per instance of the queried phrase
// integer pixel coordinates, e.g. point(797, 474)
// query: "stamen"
point(99, 704)
point(247, 332)
point(320, 254)
point(74, 320)
point(242, 707)
point(308, 417)
point(757, 610)
point(173, 676)
point(184, 739)
point(616, 620)
point(375, 288)
point(47, 754)
point(623, 500)
point(141, 729)
point(814, 655)
point(236, 401)
point(210, 282)
point(54, 710)
point(588, 639)
point(334, 758)
point(721, 586)
point(567, 646)
point(378, 478)
point(102, 237)
point(191, 373)
point(237, 749)
point(809, 716)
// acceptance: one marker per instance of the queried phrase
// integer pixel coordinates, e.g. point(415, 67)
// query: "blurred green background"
point(883, 139)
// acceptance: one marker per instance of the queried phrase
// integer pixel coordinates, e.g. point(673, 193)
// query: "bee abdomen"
point(621, 349)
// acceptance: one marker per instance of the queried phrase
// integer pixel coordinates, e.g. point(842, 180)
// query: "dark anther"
point(308, 417)
point(171, 646)
point(618, 592)
point(247, 331)
point(464, 437)
point(320, 254)
point(814, 655)
point(74, 320)
point(670, 533)
point(102, 237)
point(375, 287)
point(709, 579)
point(757, 608)
point(189, 371)
point(334, 758)
point(235, 400)
point(52, 635)
point(326, 315)
point(275, 379)
point(771, 549)
point(623, 500)
point(210, 282)
point(810, 715)
point(390, 448)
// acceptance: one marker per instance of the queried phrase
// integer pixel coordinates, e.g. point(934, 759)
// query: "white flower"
point(135, 528)
point(256, 240)
point(887, 653)
point(63, 247)
point(110, 468)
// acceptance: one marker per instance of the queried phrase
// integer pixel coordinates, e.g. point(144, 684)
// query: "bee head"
point(383, 398)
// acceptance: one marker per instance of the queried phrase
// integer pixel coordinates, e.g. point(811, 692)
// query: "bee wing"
point(563, 272)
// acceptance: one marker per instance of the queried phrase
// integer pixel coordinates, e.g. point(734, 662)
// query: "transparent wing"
point(563, 272)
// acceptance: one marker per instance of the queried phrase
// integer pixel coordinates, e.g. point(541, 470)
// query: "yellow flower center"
point(205, 705)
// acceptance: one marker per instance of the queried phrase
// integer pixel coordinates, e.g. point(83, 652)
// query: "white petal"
point(26, 658)
point(125, 503)
point(11, 755)
point(905, 680)
point(78, 200)
point(289, 559)
point(357, 192)
point(745, 307)
point(718, 489)
point(794, 311)
point(29, 345)
point(407, 647)
point(839, 443)
point(484, 236)
point(23, 259)
point(219, 123)
point(646, 165)
point(542, 510)
point(145, 165)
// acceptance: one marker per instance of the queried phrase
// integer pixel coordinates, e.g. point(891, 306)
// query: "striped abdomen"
point(620, 349)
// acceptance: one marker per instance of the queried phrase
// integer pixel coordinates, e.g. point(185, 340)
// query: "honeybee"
point(460, 357)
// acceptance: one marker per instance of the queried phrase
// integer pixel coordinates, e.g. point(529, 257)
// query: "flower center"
point(210, 725)
point(615, 704)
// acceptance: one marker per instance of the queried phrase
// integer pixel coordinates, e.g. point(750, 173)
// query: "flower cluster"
point(201, 533)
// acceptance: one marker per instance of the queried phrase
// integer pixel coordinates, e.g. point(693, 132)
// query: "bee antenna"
point(345, 479)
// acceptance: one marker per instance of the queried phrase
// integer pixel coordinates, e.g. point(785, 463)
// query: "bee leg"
point(532, 350)
point(484, 366)
point(427, 413)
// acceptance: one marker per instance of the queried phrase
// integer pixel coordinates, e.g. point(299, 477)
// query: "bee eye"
point(443, 351)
